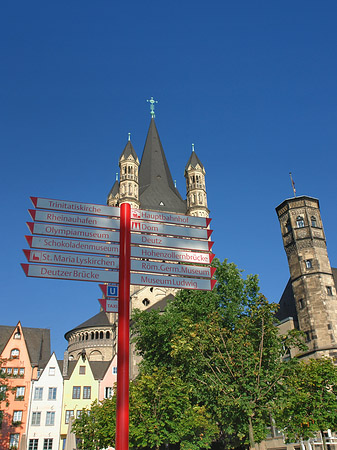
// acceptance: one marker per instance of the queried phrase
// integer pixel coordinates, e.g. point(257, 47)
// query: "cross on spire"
point(152, 103)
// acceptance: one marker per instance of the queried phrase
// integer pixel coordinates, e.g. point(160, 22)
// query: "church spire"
point(156, 187)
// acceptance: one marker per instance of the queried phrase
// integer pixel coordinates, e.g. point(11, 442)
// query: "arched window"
point(86, 336)
point(288, 226)
point(96, 335)
point(92, 335)
point(146, 302)
point(313, 221)
point(107, 335)
point(15, 353)
point(300, 222)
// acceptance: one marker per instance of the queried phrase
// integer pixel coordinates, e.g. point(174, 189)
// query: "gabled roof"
point(129, 150)
point(156, 186)
point(98, 320)
point(194, 161)
point(37, 342)
point(98, 368)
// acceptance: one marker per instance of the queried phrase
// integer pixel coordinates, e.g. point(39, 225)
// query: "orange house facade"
point(19, 366)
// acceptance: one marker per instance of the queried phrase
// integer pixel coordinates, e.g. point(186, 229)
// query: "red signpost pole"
point(122, 414)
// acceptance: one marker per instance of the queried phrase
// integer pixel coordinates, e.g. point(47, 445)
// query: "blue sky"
point(252, 84)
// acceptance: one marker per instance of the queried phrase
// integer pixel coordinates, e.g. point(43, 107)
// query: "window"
point(301, 303)
point(17, 335)
point(36, 418)
point(108, 392)
point(14, 440)
point(76, 391)
point(51, 371)
point(307, 336)
point(15, 371)
point(300, 222)
point(21, 371)
point(47, 444)
point(329, 290)
point(308, 263)
point(86, 391)
point(20, 392)
point(9, 371)
point(50, 418)
point(52, 393)
point(33, 443)
point(15, 353)
point(114, 370)
point(38, 393)
point(82, 370)
point(78, 414)
point(69, 413)
point(313, 221)
point(17, 416)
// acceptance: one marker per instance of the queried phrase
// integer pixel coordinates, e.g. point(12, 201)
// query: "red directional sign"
point(70, 273)
point(177, 219)
point(172, 269)
point(74, 219)
point(162, 241)
point(109, 305)
point(143, 279)
point(70, 259)
point(72, 245)
point(73, 232)
point(78, 207)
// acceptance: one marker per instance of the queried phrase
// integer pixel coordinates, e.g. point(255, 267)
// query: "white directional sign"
point(73, 232)
point(173, 230)
point(162, 241)
point(172, 282)
point(172, 269)
point(78, 207)
point(172, 255)
point(72, 245)
point(177, 219)
point(71, 259)
point(70, 273)
point(74, 219)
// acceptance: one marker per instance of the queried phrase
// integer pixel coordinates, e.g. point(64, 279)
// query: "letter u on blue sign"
point(112, 291)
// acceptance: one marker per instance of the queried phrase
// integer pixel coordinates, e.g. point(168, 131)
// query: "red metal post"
point(122, 414)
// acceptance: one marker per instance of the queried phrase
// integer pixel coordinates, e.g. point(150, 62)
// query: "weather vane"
point(152, 102)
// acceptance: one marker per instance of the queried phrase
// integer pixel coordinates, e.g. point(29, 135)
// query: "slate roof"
point(37, 342)
point(98, 368)
point(194, 161)
point(156, 186)
point(98, 320)
point(129, 150)
point(287, 306)
point(114, 190)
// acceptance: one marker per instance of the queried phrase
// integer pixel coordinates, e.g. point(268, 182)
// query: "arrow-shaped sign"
point(109, 305)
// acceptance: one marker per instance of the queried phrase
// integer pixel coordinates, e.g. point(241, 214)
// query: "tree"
point(225, 345)
point(161, 412)
point(310, 400)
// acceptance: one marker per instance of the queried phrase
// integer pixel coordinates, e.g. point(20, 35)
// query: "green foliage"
point(310, 399)
point(160, 412)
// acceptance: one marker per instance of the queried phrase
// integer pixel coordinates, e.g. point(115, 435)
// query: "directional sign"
point(74, 219)
point(172, 255)
point(109, 290)
point(72, 245)
point(78, 207)
point(70, 273)
point(70, 259)
point(73, 232)
point(173, 230)
point(109, 305)
point(172, 269)
point(172, 282)
point(161, 241)
point(177, 219)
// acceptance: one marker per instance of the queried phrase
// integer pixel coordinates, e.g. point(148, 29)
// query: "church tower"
point(196, 187)
point(129, 187)
point(311, 277)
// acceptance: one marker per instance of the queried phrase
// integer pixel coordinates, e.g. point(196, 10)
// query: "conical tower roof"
point(156, 186)
point(98, 320)
point(194, 161)
point(129, 150)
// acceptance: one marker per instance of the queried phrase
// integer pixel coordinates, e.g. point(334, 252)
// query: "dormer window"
point(300, 222)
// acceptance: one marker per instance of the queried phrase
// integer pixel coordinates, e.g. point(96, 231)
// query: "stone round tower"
point(196, 187)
